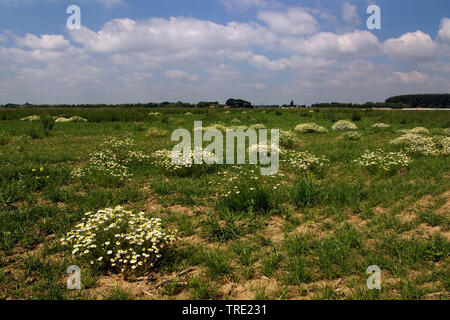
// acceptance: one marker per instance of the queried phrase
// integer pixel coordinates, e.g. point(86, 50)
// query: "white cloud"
point(180, 75)
point(413, 46)
point(349, 13)
point(328, 44)
point(176, 34)
point(295, 21)
point(413, 77)
point(45, 42)
point(444, 31)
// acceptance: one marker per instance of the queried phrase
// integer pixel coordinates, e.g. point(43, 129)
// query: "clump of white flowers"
point(344, 125)
point(352, 136)
point(114, 159)
point(156, 133)
point(258, 126)
point(31, 118)
point(387, 161)
point(288, 139)
point(216, 126)
point(417, 130)
point(119, 239)
point(304, 161)
point(179, 163)
point(155, 114)
point(310, 128)
point(381, 125)
point(265, 147)
point(430, 146)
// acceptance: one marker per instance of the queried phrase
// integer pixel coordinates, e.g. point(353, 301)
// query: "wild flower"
point(310, 128)
point(156, 133)
point(258, 126)
point(304, 161)
point(416, 130)
point(387, 161)
point(155, 114)
point(114, 159)
point(266, 147)
point(119, 239)
point(236, 120)
point(288, 139)
point(179, 163)
point(381, 125)
point(216, 126)
point(344, 125)
point(31, 118)
point(72, 119)
point(352, 136)
point(426, 145)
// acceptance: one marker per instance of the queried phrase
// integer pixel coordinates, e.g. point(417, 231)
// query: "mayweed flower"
point(417, 130)
point(304, 161)
point(288, 139)
point(180, 163)
point(387, 161)
point(114, 159)
point(352, 135)
point(344, 125)
point(310, 128)
point(135, 231)
point(381, 125)
point(430, 146)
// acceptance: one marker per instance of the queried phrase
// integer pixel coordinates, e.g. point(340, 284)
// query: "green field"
point(302, 234)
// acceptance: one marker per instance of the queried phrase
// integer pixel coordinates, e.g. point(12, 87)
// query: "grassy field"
point(302, 234)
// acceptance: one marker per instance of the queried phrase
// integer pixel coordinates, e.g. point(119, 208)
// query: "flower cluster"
point(352, 136)
point(417, 130)
point(156, 133)
point(344, 125)
point(179, 163)
point(119, 239)
point(72, 119)
point(40, 177)
point(310, 128)
point(387, 161)
point(288, 139)
point(381, 125)
point(114, 159)
point(304, 161)
point(431, 146)
point(258, 126)
point(265, 147)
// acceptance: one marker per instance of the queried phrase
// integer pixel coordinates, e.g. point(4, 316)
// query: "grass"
point(296, 235)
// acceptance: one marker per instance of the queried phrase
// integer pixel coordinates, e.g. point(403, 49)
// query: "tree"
point(238, 103)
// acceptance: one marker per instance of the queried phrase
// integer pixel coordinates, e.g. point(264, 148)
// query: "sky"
point(263, 51)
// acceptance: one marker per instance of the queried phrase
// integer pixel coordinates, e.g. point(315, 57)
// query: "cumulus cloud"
point(44, 42)
point(349, 13)
point(413, 77)
point(295, 21)
point(444, 31)
point(412, 46)
point(160, 35)
point(328, 44)
point(283, 53)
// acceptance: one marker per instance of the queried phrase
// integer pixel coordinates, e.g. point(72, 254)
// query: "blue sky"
point(191, 50)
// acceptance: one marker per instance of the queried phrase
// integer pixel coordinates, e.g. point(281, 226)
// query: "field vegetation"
point(342, 201)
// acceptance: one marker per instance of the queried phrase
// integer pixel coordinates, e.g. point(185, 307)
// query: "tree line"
point(423, 100)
